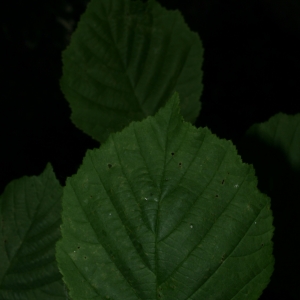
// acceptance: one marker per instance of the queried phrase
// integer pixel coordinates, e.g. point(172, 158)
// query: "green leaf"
point(165, 211)
point(30, 210)
point(125, 59)
point(282, 132)
point(273, 147)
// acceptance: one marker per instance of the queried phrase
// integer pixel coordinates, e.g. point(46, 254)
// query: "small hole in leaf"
point(84, 257)
point(109, 165)
point(223, 181)
point(180, 164)
point(78, 247)
point(217, 196)
point(172, 153)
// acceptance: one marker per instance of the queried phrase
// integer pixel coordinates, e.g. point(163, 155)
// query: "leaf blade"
point(124, 60)
point(30, 219)
point(172, 209)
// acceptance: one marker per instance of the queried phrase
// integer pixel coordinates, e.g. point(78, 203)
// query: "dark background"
point(251, 71)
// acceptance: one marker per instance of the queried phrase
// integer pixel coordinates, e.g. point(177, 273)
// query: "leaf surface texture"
point(124, 60)
point(165, 211)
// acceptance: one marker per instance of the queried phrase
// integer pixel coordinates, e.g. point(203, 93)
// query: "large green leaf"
point(30, 210)
point(273, 147)
point(125, 59)
point(165, 211)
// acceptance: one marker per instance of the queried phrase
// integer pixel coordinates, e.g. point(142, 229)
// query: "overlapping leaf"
point(282, 132)
point(273, 147)
point(125, 58)
point(165, 211)
point(30, 210)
